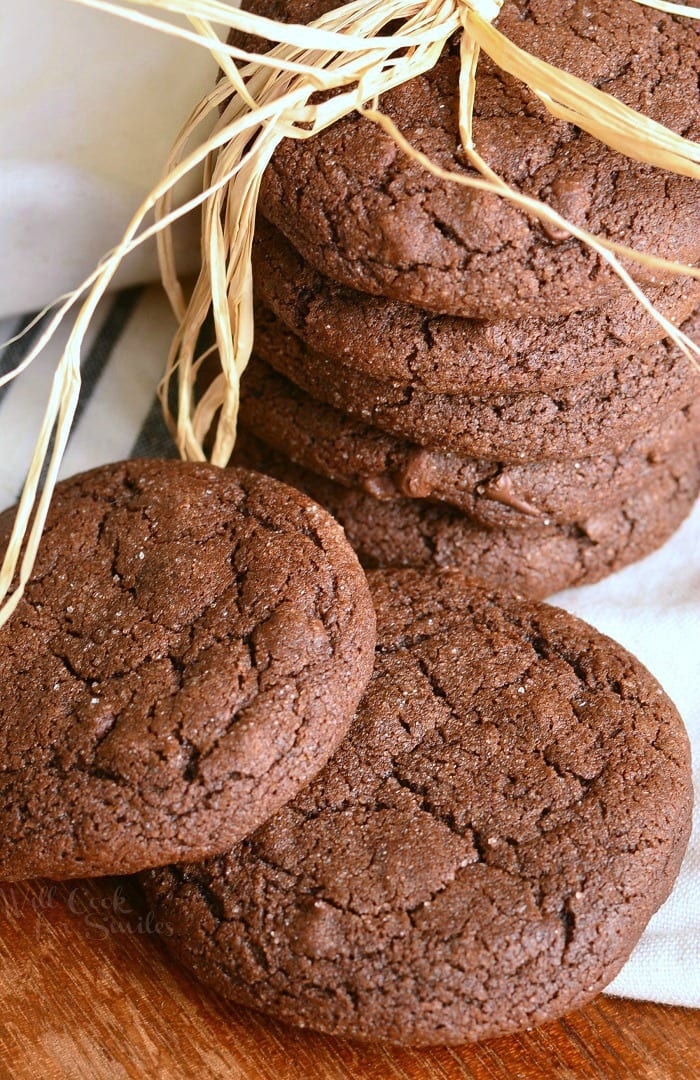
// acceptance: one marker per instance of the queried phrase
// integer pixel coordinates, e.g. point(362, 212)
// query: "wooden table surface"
point(87, 991)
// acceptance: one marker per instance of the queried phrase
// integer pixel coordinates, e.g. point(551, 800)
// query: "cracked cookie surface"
point(447, 355)
point(189, 652)
point(605, 413)
point(413, 533)
point(528, 496)
point(483, 851)
point(361, 211)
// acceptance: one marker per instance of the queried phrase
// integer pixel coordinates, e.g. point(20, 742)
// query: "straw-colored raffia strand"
point(266, 98)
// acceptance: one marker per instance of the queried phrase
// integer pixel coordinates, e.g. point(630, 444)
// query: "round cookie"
point(363, 212)
point(529, 496)
point(189, 652)
point(412, 533)
point(482, 853)
point(574, 421)
point(446, 355)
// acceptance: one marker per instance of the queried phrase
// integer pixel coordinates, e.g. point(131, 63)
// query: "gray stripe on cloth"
point(98, 357)
point(154, 439)
point(16, 352)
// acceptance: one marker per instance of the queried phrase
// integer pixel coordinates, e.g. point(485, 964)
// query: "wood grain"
point(88, 991)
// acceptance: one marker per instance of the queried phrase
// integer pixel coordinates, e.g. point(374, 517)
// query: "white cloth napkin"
point(89, 107)
point(86, 117)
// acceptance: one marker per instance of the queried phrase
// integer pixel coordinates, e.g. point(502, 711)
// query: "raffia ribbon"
point(266, 98)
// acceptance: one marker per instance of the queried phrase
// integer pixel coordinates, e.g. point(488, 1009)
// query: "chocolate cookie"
point(189, 652)
point(482, 853)
point(393, 341)
point(602, 414)
point(527, 496)
point(361, 211)
point(412, 533)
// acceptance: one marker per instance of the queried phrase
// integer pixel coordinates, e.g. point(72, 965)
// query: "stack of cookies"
point(458, 383)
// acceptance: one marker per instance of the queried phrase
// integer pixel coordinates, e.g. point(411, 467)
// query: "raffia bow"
point(266, 98)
